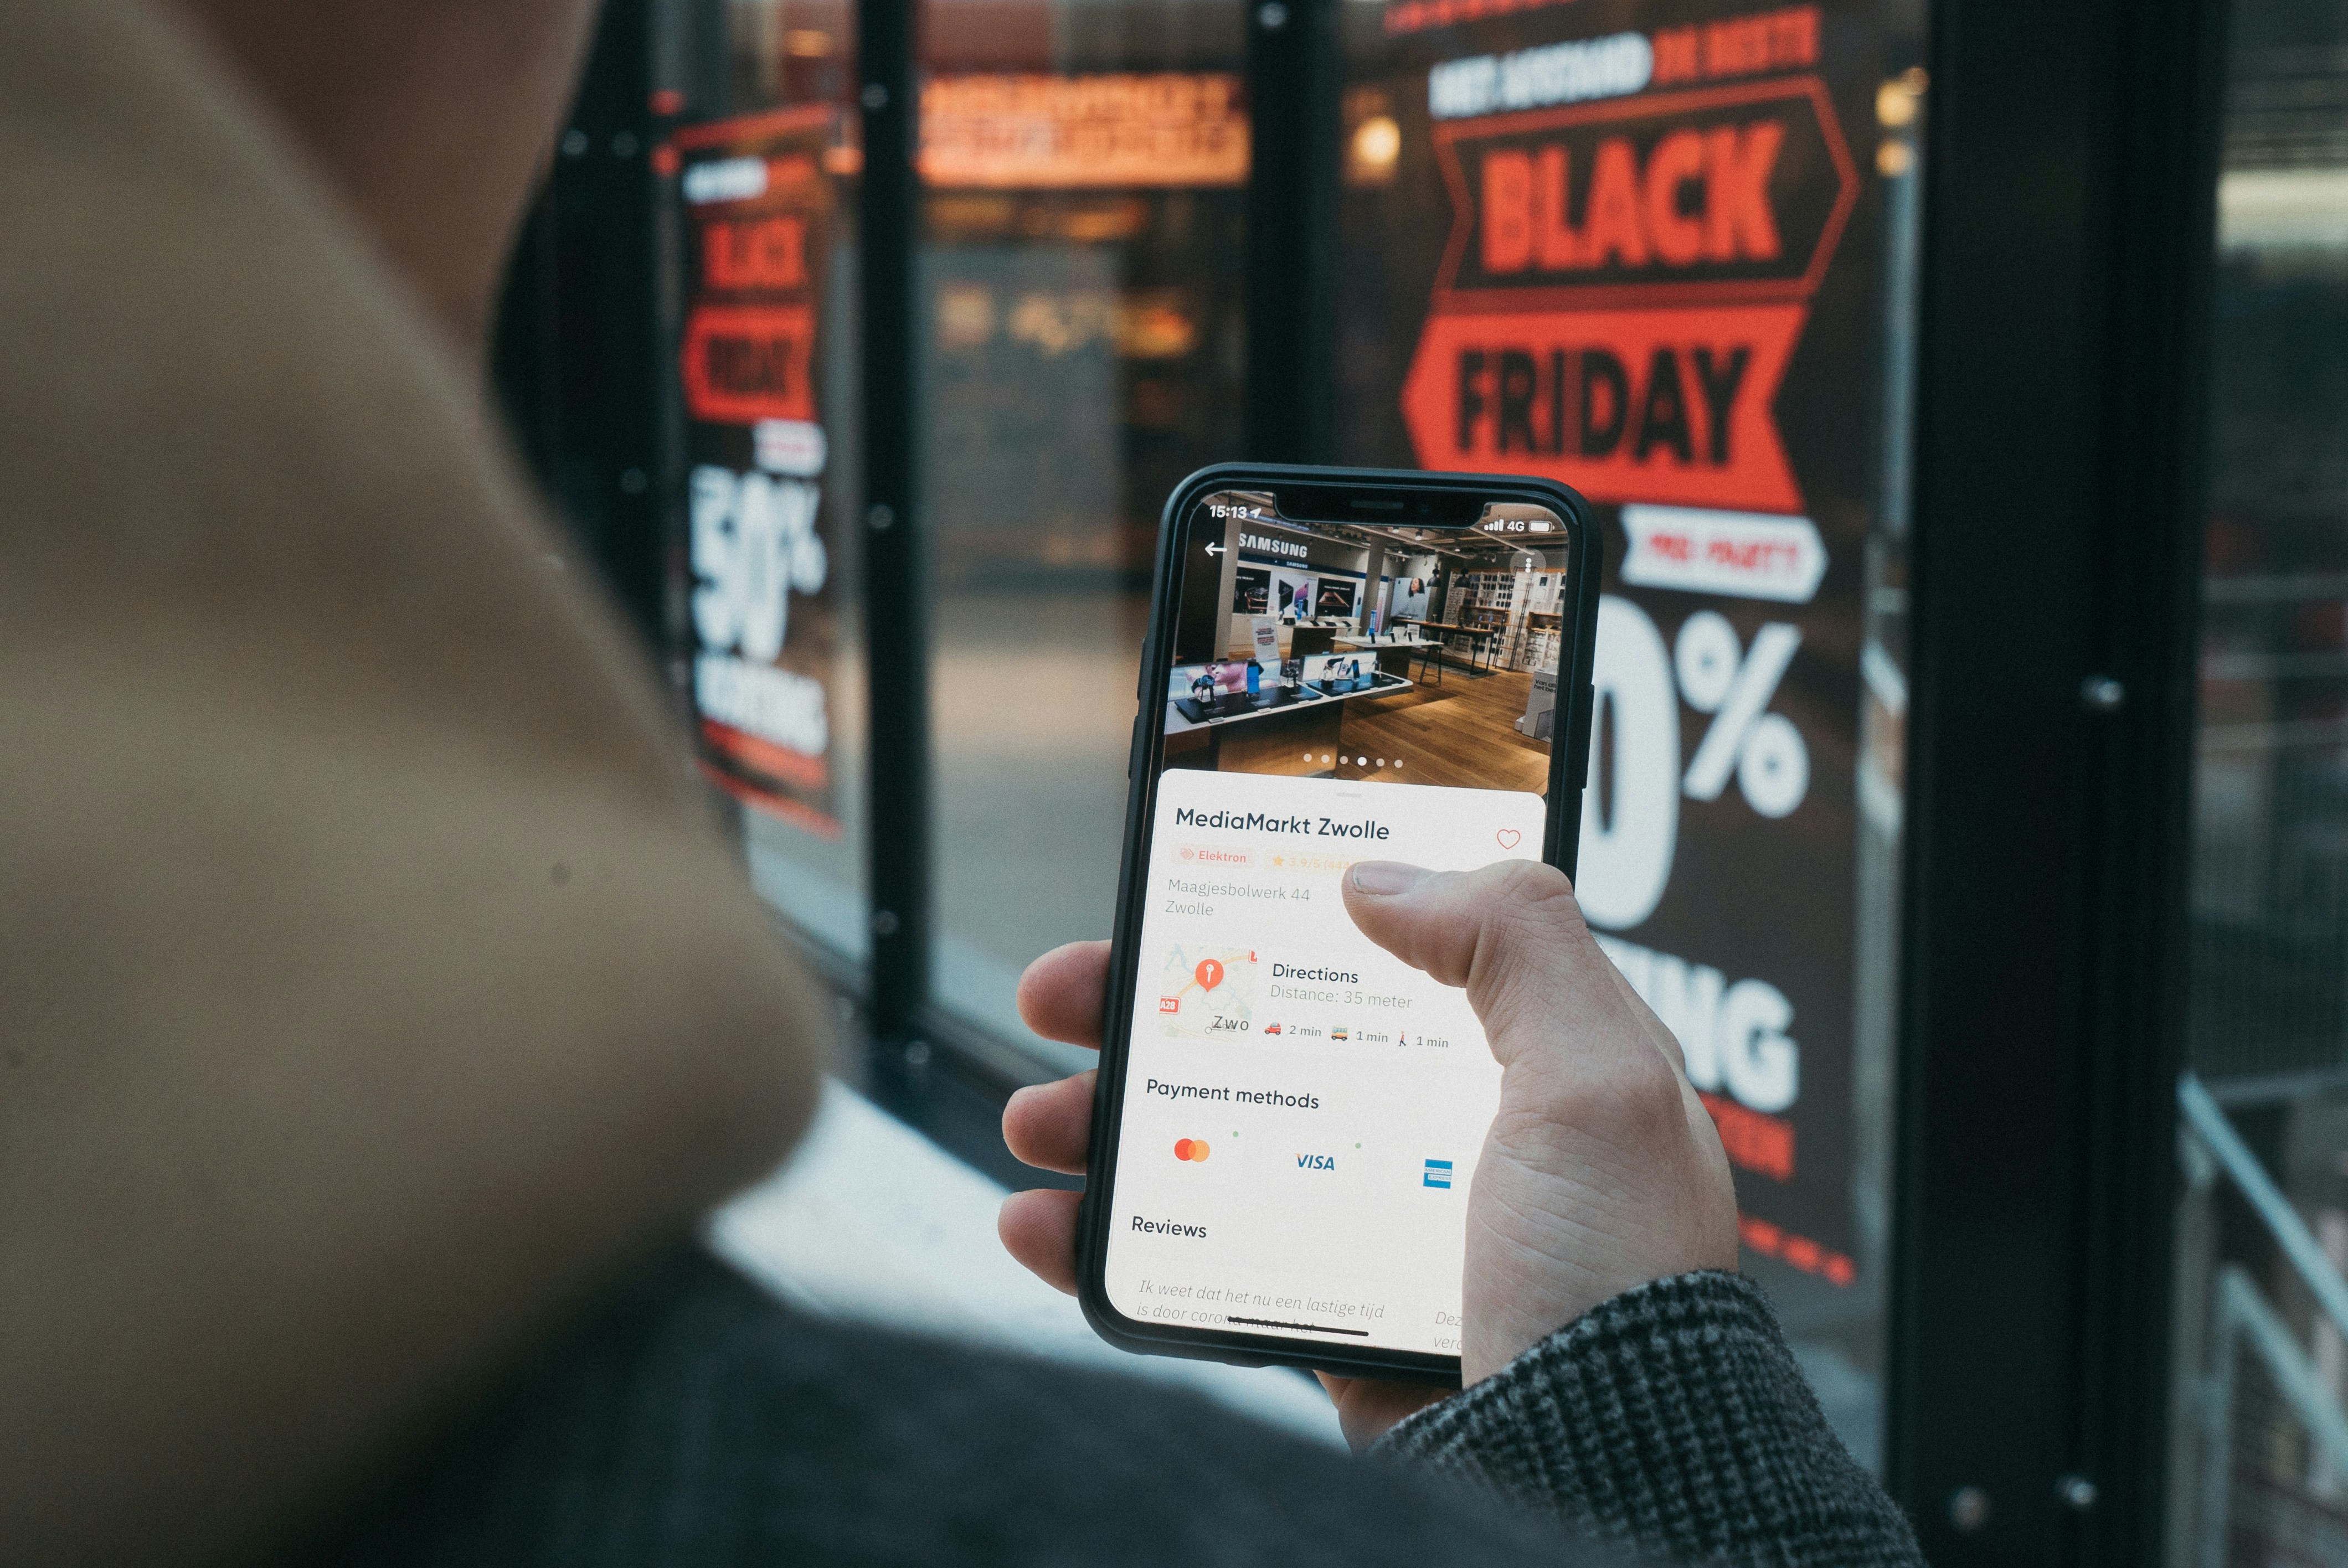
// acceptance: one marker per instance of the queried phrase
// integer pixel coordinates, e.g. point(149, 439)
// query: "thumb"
point(1511, 935)
point(1602, 1170)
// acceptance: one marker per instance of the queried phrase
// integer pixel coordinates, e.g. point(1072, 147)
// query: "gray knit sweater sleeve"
point(1673, 1415)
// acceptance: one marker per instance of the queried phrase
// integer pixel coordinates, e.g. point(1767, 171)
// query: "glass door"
point(2260, 1470)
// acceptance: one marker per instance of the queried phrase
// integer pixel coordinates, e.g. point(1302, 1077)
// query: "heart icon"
point(1508, 837)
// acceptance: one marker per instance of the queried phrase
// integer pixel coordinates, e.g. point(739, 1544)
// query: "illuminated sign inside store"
point(1112, 130)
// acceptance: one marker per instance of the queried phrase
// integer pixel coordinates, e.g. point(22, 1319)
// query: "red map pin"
point(1210, 974)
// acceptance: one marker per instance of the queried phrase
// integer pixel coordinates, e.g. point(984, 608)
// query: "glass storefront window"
point(1663, 253)
point(1083, 171)
point(766, 592)
point(2260, 1444)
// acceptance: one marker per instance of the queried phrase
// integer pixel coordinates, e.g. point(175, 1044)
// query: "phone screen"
point(1301, 1112)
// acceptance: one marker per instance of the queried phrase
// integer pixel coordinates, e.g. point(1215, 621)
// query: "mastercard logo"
point(1191, 1149)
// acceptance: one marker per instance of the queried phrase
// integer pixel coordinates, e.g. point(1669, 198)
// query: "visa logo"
point(1316, 1163)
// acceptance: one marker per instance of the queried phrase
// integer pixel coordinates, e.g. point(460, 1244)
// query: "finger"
point(1039, 1229)
point(1050, 1125)
point(1368, 1408)
point(1510, 934)
point(1061, 995)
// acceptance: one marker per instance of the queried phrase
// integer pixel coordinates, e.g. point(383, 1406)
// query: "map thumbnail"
point(1207, 992)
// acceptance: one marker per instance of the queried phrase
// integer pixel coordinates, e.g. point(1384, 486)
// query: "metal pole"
point(2192, 1328)
point(2283, 1222)
point(1290, 399)
point(2244, 1309)
point(896, 591)
point(2217, 1440)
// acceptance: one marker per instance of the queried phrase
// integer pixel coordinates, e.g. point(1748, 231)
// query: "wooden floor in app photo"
point(1462, 733)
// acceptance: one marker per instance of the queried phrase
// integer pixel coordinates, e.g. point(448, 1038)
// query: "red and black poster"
point(757, 202)
point(1628, 244)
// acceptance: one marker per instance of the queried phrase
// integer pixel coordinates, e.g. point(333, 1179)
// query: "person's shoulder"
point(692, 1402)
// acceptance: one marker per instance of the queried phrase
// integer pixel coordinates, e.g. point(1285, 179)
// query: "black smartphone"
point(1288, 1118)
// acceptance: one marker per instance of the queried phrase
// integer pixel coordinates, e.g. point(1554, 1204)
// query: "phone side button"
point(1580, 742)
point(1131, 747)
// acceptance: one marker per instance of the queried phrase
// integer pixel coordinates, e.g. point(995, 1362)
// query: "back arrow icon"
point(1214, 550)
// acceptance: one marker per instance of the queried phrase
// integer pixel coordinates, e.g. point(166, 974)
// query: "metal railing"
point(2240, 1317)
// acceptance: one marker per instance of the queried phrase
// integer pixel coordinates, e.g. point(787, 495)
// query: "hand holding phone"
point(1601, 1172)
point(1290, 1118)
